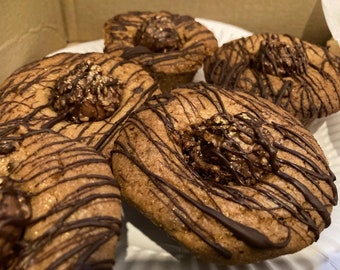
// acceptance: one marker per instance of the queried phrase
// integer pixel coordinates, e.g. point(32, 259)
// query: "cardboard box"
point(31, 29)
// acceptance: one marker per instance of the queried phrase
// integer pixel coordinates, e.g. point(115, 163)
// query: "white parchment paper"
point(331, 9)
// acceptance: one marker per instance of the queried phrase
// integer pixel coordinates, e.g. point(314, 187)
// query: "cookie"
point(333, 47)
point(170, 47)
point(83, 96)
point(233, 178)
point(301, 77)
point(61, 207)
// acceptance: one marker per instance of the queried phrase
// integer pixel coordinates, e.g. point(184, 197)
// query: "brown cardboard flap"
point(69, 13)
point(303, 19)
point(29, 30)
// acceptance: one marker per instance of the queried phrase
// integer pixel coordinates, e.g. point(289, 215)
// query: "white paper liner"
point(331, 10)
point(145, 247)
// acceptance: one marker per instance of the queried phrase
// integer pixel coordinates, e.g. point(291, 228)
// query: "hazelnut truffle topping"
point(159, 34)
point(280, 58)
point(229, 149)
point(87, 94)
point(15, 211)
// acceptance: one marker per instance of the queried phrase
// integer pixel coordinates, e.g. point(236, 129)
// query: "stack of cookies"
point(227, 167)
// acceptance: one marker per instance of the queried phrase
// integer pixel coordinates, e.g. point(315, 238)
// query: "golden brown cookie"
point(171, 47)
point(234, 178)
point(301, 77)
point(61, 207)
point(83, 96)
point(333, 46)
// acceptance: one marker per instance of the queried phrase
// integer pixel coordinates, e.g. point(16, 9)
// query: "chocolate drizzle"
point(197, 172)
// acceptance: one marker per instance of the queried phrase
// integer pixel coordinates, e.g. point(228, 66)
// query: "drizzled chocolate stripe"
point(293, 155)
point(109, 135)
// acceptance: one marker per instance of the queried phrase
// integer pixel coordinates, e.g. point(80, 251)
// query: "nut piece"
point(159, 34)
point(86, 94)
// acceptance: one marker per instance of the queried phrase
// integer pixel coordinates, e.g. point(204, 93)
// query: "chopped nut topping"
point(228, 150)
point(281, 59)
point(86, 94)
point(159, 34)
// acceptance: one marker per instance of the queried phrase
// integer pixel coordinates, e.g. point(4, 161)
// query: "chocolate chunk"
point(6, 147)
point(15, 211)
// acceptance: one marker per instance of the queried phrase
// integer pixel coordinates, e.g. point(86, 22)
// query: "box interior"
point(31, 29)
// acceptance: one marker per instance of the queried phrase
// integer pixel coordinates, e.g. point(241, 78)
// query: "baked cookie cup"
point(83, 96)
point(60, 205)
point(301, 77)
point(169, 46)
point(233, 178)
